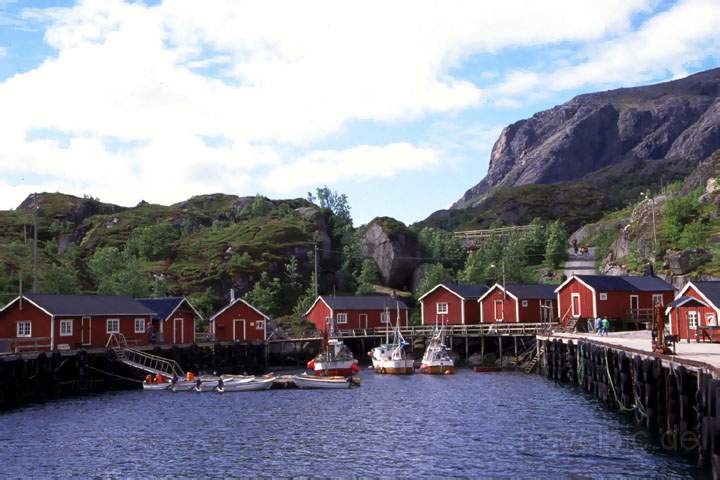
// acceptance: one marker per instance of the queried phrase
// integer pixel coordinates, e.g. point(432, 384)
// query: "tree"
point(369, 277)
point(442, 247)
point(204, 302)
point(293, 284)
point(266, 294)
point(557, 245)
point(153, 242)
point(118, 273)
point(435, 274)
point(60, 279)
point(484, 265)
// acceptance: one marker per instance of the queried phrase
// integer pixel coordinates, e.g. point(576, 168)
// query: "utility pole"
point(315, 276)
point(35, 244)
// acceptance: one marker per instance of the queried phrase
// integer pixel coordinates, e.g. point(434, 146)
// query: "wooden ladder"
point(572, 323)
point(533, 363)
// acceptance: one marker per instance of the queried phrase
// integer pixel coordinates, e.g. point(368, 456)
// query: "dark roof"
point(162, 307)
point(532, 291)
point(711, 290)
point(609, 283)
point(685, 300)
point(88, 304)
point(363, 302)
point(468, 292)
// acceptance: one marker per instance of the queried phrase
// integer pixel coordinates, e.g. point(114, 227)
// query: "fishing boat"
point(246, 384)
point(392, 357)
point(437, 359)
point(336, 359)
point(314, 381)
point(156, 386)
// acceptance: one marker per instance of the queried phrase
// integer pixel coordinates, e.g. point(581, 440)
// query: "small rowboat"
point(156, 386)
point(182, 386)
point(310, 381)
point(246, 385)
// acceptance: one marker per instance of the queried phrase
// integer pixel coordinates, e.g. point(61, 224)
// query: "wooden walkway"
point(479, 330)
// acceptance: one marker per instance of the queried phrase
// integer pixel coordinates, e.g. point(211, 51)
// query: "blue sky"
point(396, 104)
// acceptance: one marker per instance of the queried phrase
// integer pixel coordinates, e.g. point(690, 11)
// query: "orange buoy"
point(149, 379)
point(159, 378)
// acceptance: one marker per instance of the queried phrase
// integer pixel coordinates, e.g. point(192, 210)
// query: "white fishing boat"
point(206, 384)
point(436, 359)
point(246, 384)
point(392, 357)
point(313, 381)
point(336, 358)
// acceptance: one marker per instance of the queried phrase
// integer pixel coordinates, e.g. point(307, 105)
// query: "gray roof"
point(468, 292)
point(609, 283)
point(162, 307)
point(63, 305)
point(711, 290)
point(363, 302)
point(685, 300)
point(532, 291)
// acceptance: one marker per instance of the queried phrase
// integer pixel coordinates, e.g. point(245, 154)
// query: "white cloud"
point(358, 163)
point(261, 76)
point(664, 46)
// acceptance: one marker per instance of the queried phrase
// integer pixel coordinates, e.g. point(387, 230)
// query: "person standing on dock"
point(575, 245)
point(598, 325)
point(605, 326)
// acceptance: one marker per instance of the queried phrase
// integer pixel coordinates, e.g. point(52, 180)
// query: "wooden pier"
point(675, 398)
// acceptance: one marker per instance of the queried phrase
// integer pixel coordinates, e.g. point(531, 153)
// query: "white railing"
point(144, 361)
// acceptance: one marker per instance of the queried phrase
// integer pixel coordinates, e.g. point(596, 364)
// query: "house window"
point(113, 325)
point(710, 320)
point(692, 317)
point(341, 318)
point(603, 296)
point(66, 328)
point(139, 325)
point(524, 303)
point(384, 317)
point(260, 325)
point(24, 328)
point(442, 308)
point(657, 299)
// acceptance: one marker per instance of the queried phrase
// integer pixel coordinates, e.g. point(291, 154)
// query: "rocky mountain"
point(596, 137)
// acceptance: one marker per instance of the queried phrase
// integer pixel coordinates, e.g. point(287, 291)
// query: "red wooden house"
point(612, 297)
point(452, 304)
point(695, 309)
point(73, 321)
point(239, 321)
point(174, 320)
point(361, 311)
point(517, 302)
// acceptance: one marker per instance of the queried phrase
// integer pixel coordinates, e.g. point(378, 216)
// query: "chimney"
point(232, 295)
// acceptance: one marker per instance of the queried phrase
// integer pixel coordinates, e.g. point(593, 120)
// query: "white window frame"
point(141, 322)
point(442, 311)
point(384, 317)
point(260, 325)
point(572, 305)
point(524, 303)
point(658, 300)
point(710, 319)
point(341, 318)
point(64, 331)
point(603, 296)
point(692, 319)
point(107, 325)
point(495, 310)
point(637, 302)
point(20, 333)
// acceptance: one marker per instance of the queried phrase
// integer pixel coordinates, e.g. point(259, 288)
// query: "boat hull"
point(183, 386)
point(309, 381)
point(396, 367)
point(437, 369)
point(341, 368)
point(486, 369)
point(156, 386)
point(246, 386)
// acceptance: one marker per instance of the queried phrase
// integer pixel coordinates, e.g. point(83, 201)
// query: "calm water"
point(499, 424)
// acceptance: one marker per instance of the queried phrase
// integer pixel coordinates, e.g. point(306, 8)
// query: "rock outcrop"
point(396, 251)
point(677, 120)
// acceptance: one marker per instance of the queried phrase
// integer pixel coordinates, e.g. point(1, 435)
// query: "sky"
point(395, 103)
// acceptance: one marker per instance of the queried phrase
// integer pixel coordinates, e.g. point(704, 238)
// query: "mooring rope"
point(623, 408)
point(115, 375)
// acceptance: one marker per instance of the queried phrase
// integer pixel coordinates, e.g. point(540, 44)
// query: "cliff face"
point(672, 121)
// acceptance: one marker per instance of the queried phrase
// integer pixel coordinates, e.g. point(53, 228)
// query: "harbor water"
point(468, 424)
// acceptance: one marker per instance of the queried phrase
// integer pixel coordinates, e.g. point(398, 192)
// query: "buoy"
point(311, 364)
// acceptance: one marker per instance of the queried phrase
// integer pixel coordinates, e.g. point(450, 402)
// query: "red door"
point(499, 313)
point(575, 304)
